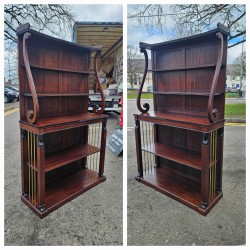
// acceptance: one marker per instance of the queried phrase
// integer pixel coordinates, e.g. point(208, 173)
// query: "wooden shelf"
point(176, 154)
point(66, 189)
point(66, 156)
point(45, 125)
point(186, 93)
point(186, 67)
point(61, 158)
point(57, 94)
point(181, 120)
point(177, 187)
point(58, 69)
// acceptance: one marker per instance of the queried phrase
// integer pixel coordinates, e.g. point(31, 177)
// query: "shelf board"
point(61, 158)
point(187, 67)
point(177, 187)
point(58, 69)
point(185, 120)
point(52, 124)
point(175, 154)
point(186, 93)
point(57, 94)
point(66, 189)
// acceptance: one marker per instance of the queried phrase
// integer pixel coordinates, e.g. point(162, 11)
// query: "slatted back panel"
point(56, 69)
point(185, 67)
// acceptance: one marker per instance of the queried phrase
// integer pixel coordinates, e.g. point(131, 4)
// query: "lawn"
point(231, 110)
point(235, 110)
point(132, 94)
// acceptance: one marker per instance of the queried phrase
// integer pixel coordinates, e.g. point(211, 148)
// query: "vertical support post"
point(220, 142)
point(205, 171)
point(103, 148)
point(40, 173)
point(138, 147)
point(24, 160)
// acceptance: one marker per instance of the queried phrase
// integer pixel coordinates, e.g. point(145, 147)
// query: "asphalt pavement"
point(157, 220)
point(93, 218)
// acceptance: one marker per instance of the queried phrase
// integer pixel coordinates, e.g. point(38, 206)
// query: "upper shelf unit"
point(53, 68)
point(188, 75)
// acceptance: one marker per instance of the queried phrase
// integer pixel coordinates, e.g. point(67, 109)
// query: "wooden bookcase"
point(62, 145)
point(179, 143)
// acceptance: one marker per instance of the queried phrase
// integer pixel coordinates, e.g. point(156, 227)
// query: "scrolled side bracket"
point(31, 115)
point(138, 100)
point(96, 109)
point(213, 114)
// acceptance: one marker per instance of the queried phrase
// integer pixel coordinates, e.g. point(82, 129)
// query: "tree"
point(194, 17)
point(134, 65)
point(52, 19)
point(241, 64)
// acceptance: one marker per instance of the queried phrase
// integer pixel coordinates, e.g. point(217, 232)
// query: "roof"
point(105, 34)
point(203, 36)
point(26, 28)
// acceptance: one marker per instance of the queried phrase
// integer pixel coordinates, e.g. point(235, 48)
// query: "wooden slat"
point(57, 94)
point(172, 153)
point(69, 155)
point(185, 93)
point(173, 185)
point(59, 69)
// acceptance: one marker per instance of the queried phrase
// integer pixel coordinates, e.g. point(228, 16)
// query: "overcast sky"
point(136, 35)
point(99, 12)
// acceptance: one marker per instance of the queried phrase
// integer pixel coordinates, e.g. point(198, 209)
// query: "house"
point(233, 77)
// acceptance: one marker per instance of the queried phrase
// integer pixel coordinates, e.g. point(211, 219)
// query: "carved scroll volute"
point(213, 114)
point(31, 115)
point(138, 100)
point(96, 109)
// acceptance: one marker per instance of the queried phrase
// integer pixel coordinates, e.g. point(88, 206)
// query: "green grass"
point(231, 95)
point(235, 110)
point(231, 110)
point(132, 94)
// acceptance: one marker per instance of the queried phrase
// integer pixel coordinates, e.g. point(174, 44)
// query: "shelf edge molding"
point(96, 109)
point(31, 115)
point(213, 114)
point(138, 99)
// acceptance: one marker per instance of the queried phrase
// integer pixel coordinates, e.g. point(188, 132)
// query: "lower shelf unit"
point(182, 164)
point(60, 165)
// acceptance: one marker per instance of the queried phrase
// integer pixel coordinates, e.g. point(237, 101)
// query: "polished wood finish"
point(62, 147)
point(181, 155)
point(66, 189)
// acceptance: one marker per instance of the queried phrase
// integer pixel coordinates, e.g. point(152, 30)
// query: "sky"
point(136, 35)
point(99, 12)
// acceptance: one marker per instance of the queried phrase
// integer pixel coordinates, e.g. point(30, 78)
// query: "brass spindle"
point(29, 159)
point(96, 145)
point(142, 145)
point(35, 167)
point(215, 156)
point(146, 132)
point(31, 165)
point(91, 158)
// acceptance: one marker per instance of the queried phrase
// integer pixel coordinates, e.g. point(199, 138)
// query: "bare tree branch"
point(193, 17)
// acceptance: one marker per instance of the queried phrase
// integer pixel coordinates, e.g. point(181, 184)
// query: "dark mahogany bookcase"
point(180, 141)
point(62, 145)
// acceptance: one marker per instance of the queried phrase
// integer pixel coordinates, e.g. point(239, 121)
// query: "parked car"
point(15, 89)
point(10, 95)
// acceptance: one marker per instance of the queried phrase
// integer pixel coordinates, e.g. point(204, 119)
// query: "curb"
point(235, 120)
